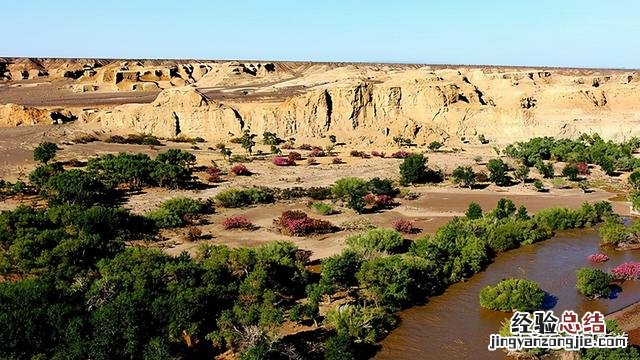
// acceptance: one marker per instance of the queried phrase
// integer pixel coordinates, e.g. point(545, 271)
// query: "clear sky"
point(582, 33)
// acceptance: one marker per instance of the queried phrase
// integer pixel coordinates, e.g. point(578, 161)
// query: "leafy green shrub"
point(464, 176)
point(352, 191)
point(361, 324)
point(413, 169)
point(512, 294)
point(177, 212)
point(545, 169)
point(498, 172)
point(435, 145)
point(570, 171)
point(338, 348)
point(322, 208)
point(613, 232)
point(376, 240)
point(593, 282)
point(45, 152)
point(539, 185)
point(41, 174)
point(74, 187)
point(236, 198)
point(339, 271)
point(474, 211)
point(379, 186)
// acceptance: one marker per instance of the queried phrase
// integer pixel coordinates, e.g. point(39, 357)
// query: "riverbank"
point(629, 320)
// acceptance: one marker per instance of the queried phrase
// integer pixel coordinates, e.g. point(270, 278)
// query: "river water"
point(454, 326)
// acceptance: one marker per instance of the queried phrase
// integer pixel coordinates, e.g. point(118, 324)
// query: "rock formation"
point(359, 103)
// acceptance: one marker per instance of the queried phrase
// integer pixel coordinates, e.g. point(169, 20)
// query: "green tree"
point(269, 138)
point(545, 169)
point(571, 172)
point(41, 174)
point(338, 271)
point(474, 211)
point(498, 172)
point(634, 179)
point(413, 169)
point(375, 241)
point(338, 348)
point(247, 141)
point(464, 176)
point(512, 294)
point(522, 173)
point(74, 187)
point(352, 191)
point(44, 152)
point(593, 282)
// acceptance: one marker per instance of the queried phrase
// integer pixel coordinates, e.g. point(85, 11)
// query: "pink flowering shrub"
point(369, 199)
point(240, 170)
point(237, 222)
point(403, 226)
point(379, 154)
point(598, 258)
point(283, 161)
point(384, 201)
point(297, 223)
point(400, 154)
point(627, 271)
point(317, 152)
point(583, 168)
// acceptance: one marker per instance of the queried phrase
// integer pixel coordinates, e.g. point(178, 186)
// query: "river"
point(454, 326)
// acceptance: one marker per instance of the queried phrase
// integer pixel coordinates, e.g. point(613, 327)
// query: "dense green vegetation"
point(590, 149)
point(72, 289)
point(593, 282)
point(512, 294)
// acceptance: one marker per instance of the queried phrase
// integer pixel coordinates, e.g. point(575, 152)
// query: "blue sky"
point(582, 33)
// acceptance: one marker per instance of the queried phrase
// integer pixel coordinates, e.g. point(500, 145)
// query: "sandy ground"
point(629, 320)
point(436, 205)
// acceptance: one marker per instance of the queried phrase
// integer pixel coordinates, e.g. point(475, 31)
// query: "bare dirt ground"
point(436, 204)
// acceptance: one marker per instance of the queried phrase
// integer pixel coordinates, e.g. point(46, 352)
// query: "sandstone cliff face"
point(374, 103)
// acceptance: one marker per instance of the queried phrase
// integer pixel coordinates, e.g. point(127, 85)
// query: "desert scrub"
point(358, 224)
point(298, 223)
point(178, 211)
point(404, 226)
point(237, 222)
point(283, 161)
point(512, 294)
point(236, 198)
point(241, 170)
point(322, 208)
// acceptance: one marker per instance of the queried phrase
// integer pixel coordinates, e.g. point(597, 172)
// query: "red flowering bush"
point(377, 154)
point(312, 161)
point(369, 199)
point(317, 152)
point(336, 160)
point(297, 223)
point(627, 271)
point(583, 168)
point(403, 226)
point(305, 147)
point(400, 154)
point(598, 258)
point(283, 161)
point(237, 222)
point(293, 156)
point(241, 170)
point(213, 174)
point(384, 201)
